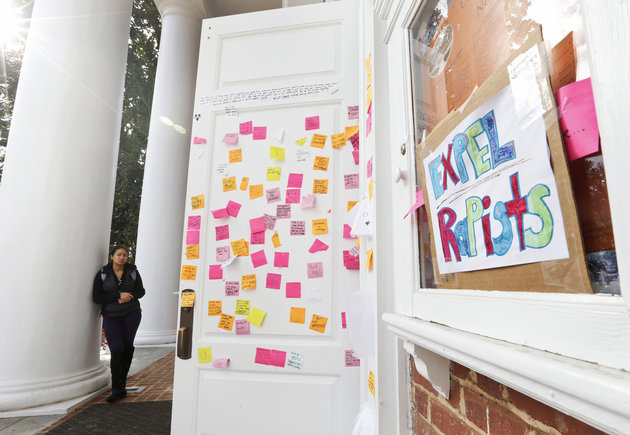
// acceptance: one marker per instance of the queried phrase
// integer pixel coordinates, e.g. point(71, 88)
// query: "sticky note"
point(223, 253)
point(315, 270)
point(294, 290)
point(278, 134)
point(248, 282)
point(308, 201)
point(233, 208)
point(226, 322)
point(578, 119)
point(236, 155)
point(295, 360)
point(192, 237)
point(301, 141)
point(189, 272)
point(297, 315)
point(302, 155)
point(194, 222)
point(355, 156)
point(229, 184)
point(257, 238)
point(298, 228)
point(283, 211)
point(370, 258)
point(351, 204)
point(369, 167)
point(255, 191)
point(317, 246)
point(220, 213)
point(346, 232)
point(273, 195)
point(313, 294)
point(232, 288)
point(353, 112)
point(318, 140)
point(338, 140)
point(276, 153)
point(270, 221)
point(292, 196)
point(199, 140)
point(273, 281)
point(205, 354)
point(257, 224)
point(259, 258)
point(318, 323)
point(295, 180)
point(216, 271)
point(351, 181)
point(281, 259)
point(196, 202)
point(242, 326)
point(215, 308)
point(256, 316)
point(245, 127)
point(351, 131)
point(320, 186)
point(273, 173)
point(350, 261)
point(320, 163)
point(244, 183)
point(239, 248)
point(222, 232)
point(260, 133)
point(351, 360)
point(188, 299)
point(372, 384)
point(371, 188)
point(230, 138)
point(368, 124)
point(220, 363)
point(275, 239)
point(263, 356)
point(278, 358)
point(311, 123)
point(320, 226)
point(192, 252)
point(242, 307)
point(343, 320)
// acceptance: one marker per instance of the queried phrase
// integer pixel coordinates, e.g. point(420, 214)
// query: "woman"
point(117, 287)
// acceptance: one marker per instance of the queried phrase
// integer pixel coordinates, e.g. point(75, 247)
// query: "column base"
point(156, 337)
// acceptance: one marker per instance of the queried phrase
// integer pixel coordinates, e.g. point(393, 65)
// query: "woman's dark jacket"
point(107, 289)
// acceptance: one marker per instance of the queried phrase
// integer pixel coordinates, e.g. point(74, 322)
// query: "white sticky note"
point(278, 134)
point(312, 294)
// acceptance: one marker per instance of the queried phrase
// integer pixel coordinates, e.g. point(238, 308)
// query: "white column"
point(56, 200)
point(164, 187)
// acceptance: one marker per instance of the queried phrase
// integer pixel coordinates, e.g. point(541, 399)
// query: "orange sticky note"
point(338, 140)
point(318, 323)
point(188, 299)
point(255, 191)
point(318, 140)
point(372, 384)
point(276, 240)
point(215, 308)
point(192, 252)
point(370, 258)
point(350, 131)
point(236, 155)
point(244, 183)
point(297, 315)
point(248, 282)
point(226, 322)
point(240, 248)
point(351, 204)
point(371, 187)
point(320, 163)
point(320, 226)
point(189, 272)
point(229, 184)
point(320, 186)
point(196, 202)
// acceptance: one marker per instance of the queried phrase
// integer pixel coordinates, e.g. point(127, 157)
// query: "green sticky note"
point(273, 173)
point(205, 354)
point(242, 307)
point(256, 316)
point(276, 153)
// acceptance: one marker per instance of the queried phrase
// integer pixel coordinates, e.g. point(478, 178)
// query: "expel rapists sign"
point(492, 195)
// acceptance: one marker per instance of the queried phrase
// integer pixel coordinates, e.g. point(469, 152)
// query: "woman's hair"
point(116, 248)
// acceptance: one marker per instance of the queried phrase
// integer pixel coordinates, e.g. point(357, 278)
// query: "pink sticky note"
point(260, 133)
point(578, 120)
point(232, 288)
point(351, 360)
point(311, 123)
point(350, 262)
point(233, 208)
point(354, 140)
point(295, 180)
point(194, 222)
point(368, 124)
point(245, 127)
point(315, 270)
point(220, 363)
point(278, 358)
point(223, 232)
point(199, 140)
point(281, 259)
point(318, 245)
point(257, 238)
point(355, 156)
point(293, 196)
point(298, 228)
point(419, 203)
point(216, 271)
point(257, 224)
point(346, 232)
point(192, 237)
point(220, 213)
point(351, 181)
point(263, 356)
point(283, 211)
point(343, 320)
point(273, 195)
point(273, 281)
point(230, 138)
point(223, 253)
point(308, 201)
point(294, 290)
point(259, 258)
point(353, 112)
point(270, 222)
point(369, 167)
point(369, 111)
point(242, 326)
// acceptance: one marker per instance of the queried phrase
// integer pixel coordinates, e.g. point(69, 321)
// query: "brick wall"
point(479, 405)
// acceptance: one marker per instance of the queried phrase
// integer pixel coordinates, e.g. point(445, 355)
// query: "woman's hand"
point(125, 297)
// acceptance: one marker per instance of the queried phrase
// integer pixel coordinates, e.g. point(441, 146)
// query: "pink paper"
point(230, 138)
point(242, 326)
point(295, 180)
point(311, 123)
point(278, 358)
point(368, 124)
point(298, 228)
point(351, 262)
point(419, 203)
point(233, 208)
point(355, 156)
point(257, 238)
point(194, 222)
point(257, 224)
point(283, 211)
point(351, 181)
point(294, 290)
point(260, 133)
point(353, 112)
point(343, 320)
point(315, 270)
point(317, 246)
point(245, 127)
point(354, 140)
point(216, 271)
point(351, 360)
point(259, 258)
point(192, 237)
point(223, 232)
point(308, 201)
point(273, 281)
point(293, 196)
point(578, 119)
point(220, 363)
point(369, 167)
point(346, 232)
point(199, 140)
point(232, 288)
point(273, 195)
point(223, 253)
point(263, 356)
point(281, 259)
point(220, 213)
point(270, 222)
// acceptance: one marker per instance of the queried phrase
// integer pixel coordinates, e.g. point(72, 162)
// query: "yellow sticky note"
point(240, 248)
point(276, 240)
point(300, 142)
point(276, 153)
point(318, 323)
point(229, 184)
point(255, 191)
point(372, 384)
point(205, 354)
point(188, 299)
point(351, 131)
point(368, 99)
point(371, 188)
point(318, 140)
point(256, 316)
point(351, 204)
point(192, 252)
point(338, 140)
point(358, 242)
point(242, 307)
point(273, 173)
point(226, 321)
point(320, 226)
point(320, 163)
point(297, 315)
point(236, 155)
point(196, 202)
point(320, 186)
point(244, 183)
point(248, 282)
point(189, 272)
point(215, 308)
point(370, 258)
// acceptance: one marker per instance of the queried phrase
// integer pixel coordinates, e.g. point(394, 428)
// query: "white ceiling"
point(220, 8)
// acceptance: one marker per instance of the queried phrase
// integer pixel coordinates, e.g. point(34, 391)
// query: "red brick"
point(420, 401)
point(459, 371)
point(503, 421)
point(476, 406)
point(455, 394)
point(418, 379)
point(446, 420)
point(423, 427)
point(488, 385)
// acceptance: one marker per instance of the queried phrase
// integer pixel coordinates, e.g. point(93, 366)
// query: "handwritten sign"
point(273, 173)
point(351, 181)
point(248, 282)
point(215, 308)
point(283, 211)
point(318, 323)
point(297, 315)
point(222, 232)
point(189, 273)
point(298, 228)
point(293, 196)
point(351, 360)
point(226, 322)
point(236, 155)
point(338, 140)
point(245, 127)
point(372, 384)
point(273, 195)
point(239, 248)
point(229, 184)
point(270, 221)
point(295, 360)
point(232, 288)
point(320, 226)
point(318, 140)
point(320, 186)
point(244, 183)
point(223, 253)
point(353, 112)
point(194, 222)
point(242, 326)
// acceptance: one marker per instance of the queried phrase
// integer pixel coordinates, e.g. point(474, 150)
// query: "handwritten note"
point(293, 196)
point(311, 123)
point(220, 213)
point(276, 153)
point(295, 360)
point(351, 204)
point(320, 226)
point(353, 112)
point(220, 363)
point(257, 224)
point(300, 141)
point(256, 316)
point(215, 271)
point(236, 155)
point(297, 315)
point(194, 222)
point(273, 195)
point(196, 202)
point(275, 239)
point(273, 173)
point(318, 323)
point(278, 358)
point(294, 290)
point(351, 360)
point(188, 299)
point(259, 259)
point(242, 307)
point(317, 246)
point(232, 288)
point(204, 354)
point(281, 259)
point(257, 238)
point(315, 270)
point(233, 208)
point(283, 211)
point(248, 282)
point(351, 181)
point(274, 280)
point(578, 119)
point(298, 228)
point(189, 272)
point(270, 221)
point(295, 180)
point(320, 186)
point(320, 163)
point(372, 384)
point(260, 133)
point(240, 248)
point(245, 127)
point(192, 252)
point(302, 155)
point(244, 183)
point(226, 322)
point(351, 131)
point(350, 261)
point(318, 140)
point(222, 232)
point(255, 191)
point(230, 138)
point(242, 326)
point(223, 253)
point(229, 184)
point(338, 140)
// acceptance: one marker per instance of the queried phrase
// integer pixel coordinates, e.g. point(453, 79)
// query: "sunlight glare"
point(9, 23)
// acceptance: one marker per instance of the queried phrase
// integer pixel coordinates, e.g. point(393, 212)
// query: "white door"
point(293, 71)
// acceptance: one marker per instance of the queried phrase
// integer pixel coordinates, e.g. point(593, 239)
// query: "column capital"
point(195, 9)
